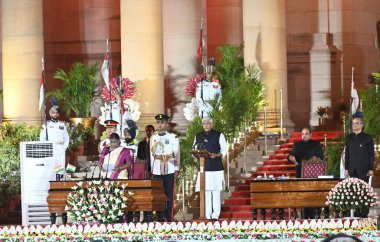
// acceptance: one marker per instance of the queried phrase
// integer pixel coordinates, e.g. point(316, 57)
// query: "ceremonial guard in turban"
point(56, 132)
point(207, 91)
point(165, 158)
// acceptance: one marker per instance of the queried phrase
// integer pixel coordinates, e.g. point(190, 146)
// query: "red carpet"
point(238, 205)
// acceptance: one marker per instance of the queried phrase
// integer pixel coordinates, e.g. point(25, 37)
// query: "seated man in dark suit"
point(302, 151)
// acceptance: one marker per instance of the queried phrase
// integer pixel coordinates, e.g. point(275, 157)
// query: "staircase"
point(238, 205)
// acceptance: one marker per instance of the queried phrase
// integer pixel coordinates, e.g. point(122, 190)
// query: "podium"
point(201, 155)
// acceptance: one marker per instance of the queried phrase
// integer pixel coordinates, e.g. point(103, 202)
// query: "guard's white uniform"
point(117, 116)
point(116, 112)
point(57, 133)
point(164, 146)
point(207, 91)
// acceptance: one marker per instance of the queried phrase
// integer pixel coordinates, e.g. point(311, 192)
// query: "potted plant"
point(78, 91)
point(322, 113)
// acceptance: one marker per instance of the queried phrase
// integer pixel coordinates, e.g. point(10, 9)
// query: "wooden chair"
point(313, 168)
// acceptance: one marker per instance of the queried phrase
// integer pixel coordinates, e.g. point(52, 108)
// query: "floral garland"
point(127, 87)
point(191, 86)
point(364, 229)
point(352, 193)
point(97, 201)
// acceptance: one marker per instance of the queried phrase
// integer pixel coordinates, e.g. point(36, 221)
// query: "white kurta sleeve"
point(43, 133)
point(223, 145)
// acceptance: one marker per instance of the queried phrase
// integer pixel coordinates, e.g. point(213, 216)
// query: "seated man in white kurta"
point(215, 143)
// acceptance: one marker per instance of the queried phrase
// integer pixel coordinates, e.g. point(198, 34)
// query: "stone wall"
point(352, 26)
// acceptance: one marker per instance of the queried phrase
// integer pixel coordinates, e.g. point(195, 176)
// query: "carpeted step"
point(234, 208)
point(237, 201)
point(240, 194)
point(276, 167)
point(283, 151)
point(243, 187)
point(278, 156)
point(287, 145)
point(235, 215)
point(276, 162)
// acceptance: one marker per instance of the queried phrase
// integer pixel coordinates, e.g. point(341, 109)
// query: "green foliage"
point(333, 153)
point(231, 65)
point(11, 134)
point(78, 90)
point(78, 135)
point(188, 162)
point(243, 94)
point(371, 103)
point(9, 187)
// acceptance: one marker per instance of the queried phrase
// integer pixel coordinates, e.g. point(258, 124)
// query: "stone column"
point(141, 54)
point(22, 44)
point(265, 45)
point(324, 68)
point(181, 26)
point(322, 60)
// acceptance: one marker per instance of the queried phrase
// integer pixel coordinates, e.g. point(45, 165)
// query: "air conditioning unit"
point(37, 161)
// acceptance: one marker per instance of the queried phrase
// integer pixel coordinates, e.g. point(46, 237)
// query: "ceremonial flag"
point(354, 95)
point(342, 165)
point(201, 44)
point(71, 168)
point(42, 90)
point(105, 71)
point(354, 98)
point(59, 169)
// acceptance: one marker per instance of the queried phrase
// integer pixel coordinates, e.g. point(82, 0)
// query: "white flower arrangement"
point(97, 201)
point(191, 110)
point(365, 229)
point(352, 193)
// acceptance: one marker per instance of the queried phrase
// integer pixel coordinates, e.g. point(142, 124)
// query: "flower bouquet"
point(97, 201)
point(352, 193)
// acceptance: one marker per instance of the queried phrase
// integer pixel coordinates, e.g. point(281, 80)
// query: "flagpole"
point(109, 79)
point(351, 100)
point(43, 100)
point(201, 69)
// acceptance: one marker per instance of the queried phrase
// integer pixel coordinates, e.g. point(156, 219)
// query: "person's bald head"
point(306, 134)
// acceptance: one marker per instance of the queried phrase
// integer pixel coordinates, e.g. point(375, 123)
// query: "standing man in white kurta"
point(55, 131)
point(164, 160)
point(215, 143)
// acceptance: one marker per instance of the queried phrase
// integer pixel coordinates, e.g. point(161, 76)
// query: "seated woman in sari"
point(116, 162)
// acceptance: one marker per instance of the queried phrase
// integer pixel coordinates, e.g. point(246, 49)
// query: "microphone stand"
point(92, 175)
